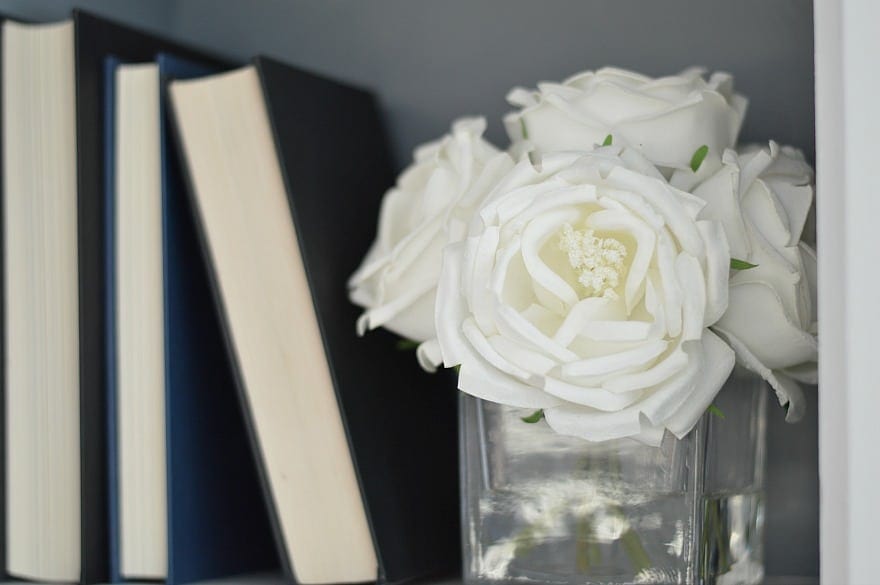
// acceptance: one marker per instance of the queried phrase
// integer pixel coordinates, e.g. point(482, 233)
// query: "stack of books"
point(185, 394)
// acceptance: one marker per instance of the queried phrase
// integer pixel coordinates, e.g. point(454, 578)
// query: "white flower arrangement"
point(610, 267)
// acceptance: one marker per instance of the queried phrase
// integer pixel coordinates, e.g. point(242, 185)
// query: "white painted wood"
point(847, 127)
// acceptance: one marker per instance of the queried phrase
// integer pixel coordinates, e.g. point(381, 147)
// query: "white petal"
point(721, 193)
point(667, 367)
point(788, 392)
point(667, 397)
point(757, 317)
point(623, 360)
point(617, 330)
point(806, 373)
point(591, 397)
point(672, 205)
point(585, 311)
point(480, 259)
point(484, 349)
point(692, 282)
point(717, 365)
point(808, 259)
point(717, 270)
point(409, 315)
point(450, 308)
point(518, 329)
point(672, 294)
point(797, 201)
point(483, 381)
point(670, 139)
point(429, 356)
point(531, 361)
point(552, 290)
point(593, 425)
point(767, 214)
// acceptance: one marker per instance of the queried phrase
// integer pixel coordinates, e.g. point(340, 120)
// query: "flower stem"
point(636, 552)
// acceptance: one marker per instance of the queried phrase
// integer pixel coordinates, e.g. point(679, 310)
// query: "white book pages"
point(42, 311)
point(140, 342)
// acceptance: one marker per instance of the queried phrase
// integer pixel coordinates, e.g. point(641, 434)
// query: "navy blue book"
point(217, 522)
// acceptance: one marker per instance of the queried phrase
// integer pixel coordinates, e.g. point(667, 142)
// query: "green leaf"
point(406, 345)
point(534, 417)
point(608, 140)
point(737, 264)
point(716, 411)
point(698, 157)
point(525, 132)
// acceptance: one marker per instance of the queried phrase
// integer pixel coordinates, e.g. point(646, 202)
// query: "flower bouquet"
point(614, 290)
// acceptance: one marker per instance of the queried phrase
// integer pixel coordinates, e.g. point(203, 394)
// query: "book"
point(54, 292)
point(207, 518)
point(40, 294)
point(139, 302)
point(356, 447)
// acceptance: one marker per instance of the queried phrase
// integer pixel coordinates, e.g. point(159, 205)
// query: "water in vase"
point(541, 507)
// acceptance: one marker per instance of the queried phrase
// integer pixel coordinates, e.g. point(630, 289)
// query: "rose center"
point(598, 262)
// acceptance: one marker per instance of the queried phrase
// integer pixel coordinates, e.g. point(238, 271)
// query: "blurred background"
point(430, 62)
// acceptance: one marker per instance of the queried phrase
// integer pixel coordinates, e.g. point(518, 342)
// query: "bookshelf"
point(429, 62)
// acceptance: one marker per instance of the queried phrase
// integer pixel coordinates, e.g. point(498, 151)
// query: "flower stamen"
point(598, 261)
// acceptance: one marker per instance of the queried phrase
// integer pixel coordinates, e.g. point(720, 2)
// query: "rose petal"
point(693, 308)
point(674, 209)
point(721, 194)
point(672, 294)
point(429, 356)
point(551, 289)
point(517, 328)
point(532, 361)
point(483, 381)
point(718, 363)
point(667, 367)
point(623, 360)
point(591, 397)
point(592, 425)
point(480, 255)
point(484, 349)
point(788, 392)
point(717, 270)
point(757, 317)
point(450, 308)
point(806, 373)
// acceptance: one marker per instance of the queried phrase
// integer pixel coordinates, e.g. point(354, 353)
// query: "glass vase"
point(543, 508)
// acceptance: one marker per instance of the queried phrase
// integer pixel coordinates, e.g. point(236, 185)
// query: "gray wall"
point(431, 62)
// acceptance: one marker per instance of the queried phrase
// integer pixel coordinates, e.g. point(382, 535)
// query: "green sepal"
point(714, 410)
point(534, 417)
point(737, 264)
point(699, 157)
point(406, 345)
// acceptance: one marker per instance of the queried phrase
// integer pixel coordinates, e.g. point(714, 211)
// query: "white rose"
point(430, 207)
point(585, 288)
point(667, 118)
point(763, 196)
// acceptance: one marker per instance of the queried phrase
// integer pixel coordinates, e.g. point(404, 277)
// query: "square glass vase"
point(538, 507)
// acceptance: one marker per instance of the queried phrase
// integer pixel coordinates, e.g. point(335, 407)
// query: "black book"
point(357, 446)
